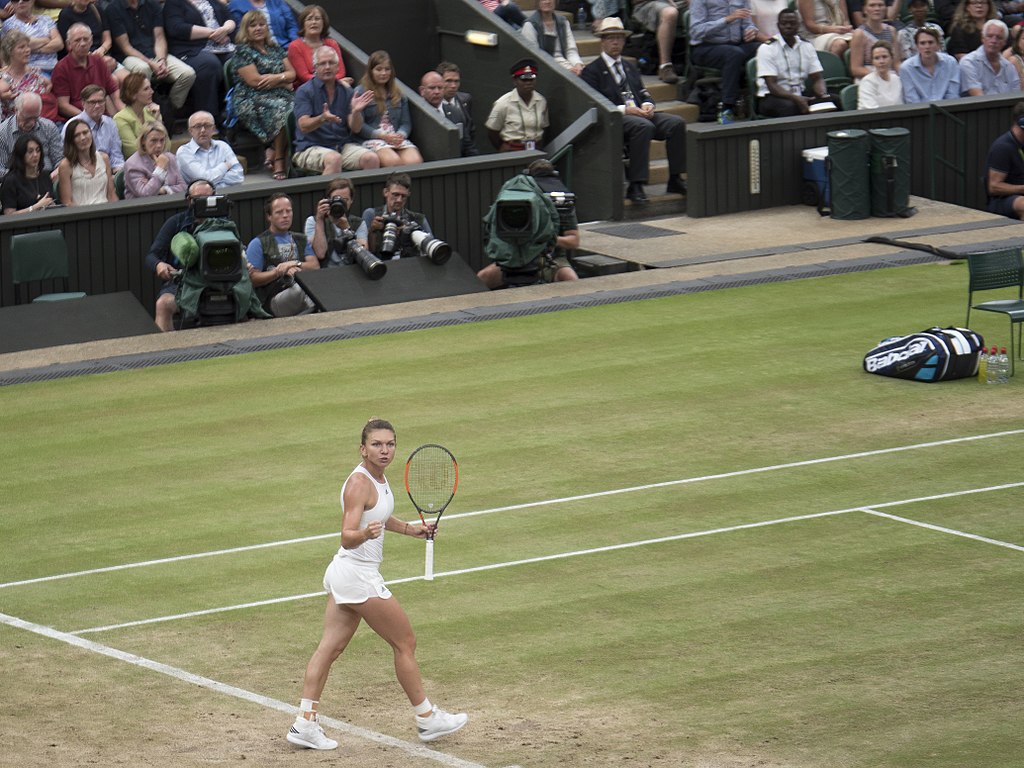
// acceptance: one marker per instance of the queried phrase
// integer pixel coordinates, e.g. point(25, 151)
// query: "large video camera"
point(398, 230)
point(220, 259)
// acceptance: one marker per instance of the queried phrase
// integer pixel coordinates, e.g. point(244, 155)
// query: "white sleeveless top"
point(371, 550)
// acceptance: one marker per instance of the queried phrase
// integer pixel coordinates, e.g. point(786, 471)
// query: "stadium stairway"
point(667, 100)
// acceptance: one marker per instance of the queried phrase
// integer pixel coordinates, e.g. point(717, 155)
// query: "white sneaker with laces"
point(439, 723)
point(309, 734)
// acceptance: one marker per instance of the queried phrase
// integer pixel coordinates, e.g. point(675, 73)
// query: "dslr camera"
point(398, 231)
point(351, 251)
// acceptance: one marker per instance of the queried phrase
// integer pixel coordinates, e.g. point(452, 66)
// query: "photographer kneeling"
point(388, 229)
point(529, 240)
point(275, 256)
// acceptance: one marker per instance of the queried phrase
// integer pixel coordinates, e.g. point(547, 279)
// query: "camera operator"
point(556, 267)
point(164, 263)
point(276, 256)
point(330, 222)
point(387, 230)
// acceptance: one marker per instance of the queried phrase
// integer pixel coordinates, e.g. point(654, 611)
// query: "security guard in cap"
point(518, 119)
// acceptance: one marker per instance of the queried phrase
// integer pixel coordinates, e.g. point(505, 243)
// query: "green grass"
point(846, 640)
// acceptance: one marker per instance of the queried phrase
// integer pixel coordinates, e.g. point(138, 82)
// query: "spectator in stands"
point(556, 267)
point(456, 106)
point(28, 119)
point(873, 29)
point(275, 256)
point(164, 264)
point(965, 29)
point(619, 81)
point(387, 121)
point(722, 36)
point(139, 110)
point(327, 120)
point(152, 170)
point(199, 33)
point(881, 87)
point(207, 158)
point(506, 10)
point(662, 18)
point(857, 16)
point(984, 72)
point(314, 24)
point(552, 33)
point(84, 176)
point(1015, 52)
point(104, 131)
point(397, 188)
point(784, 63)
point(263, 95)
point(907, 36)
point(26, 187)
point(88, 12)
point(19, 76)
point(137, 27)
point(1010, 11)
point(79, 69)
point(518, 118)
point(826, 25)
point(328, 223)
point(1005, 169)
point(278, 14)
point(432, 91)
point(42, 32)
point(929, 75)
point(766, 15)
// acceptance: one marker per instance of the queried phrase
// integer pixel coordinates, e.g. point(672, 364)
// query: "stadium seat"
point(37, 256)
point(848, 97)
point(835, 72)
point(119, 184)
point(991, 270)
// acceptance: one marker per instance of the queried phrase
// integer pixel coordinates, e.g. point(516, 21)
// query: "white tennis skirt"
point(351, 581)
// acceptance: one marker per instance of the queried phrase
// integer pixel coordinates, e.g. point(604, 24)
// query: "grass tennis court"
point(689, 532)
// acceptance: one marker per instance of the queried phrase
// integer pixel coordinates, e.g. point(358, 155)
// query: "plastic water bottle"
point(1004, 367)
point(992, 369)
point(581, 18)
point(983, 366)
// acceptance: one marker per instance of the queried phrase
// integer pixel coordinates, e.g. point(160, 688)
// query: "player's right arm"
point(359, 496)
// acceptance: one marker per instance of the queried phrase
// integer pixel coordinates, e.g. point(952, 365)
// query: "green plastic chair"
point(752, 89)
point(37, 256)
point(848, 98)
point(695, 72)
point(835, 72)
point(119, 184)
point(991, 270)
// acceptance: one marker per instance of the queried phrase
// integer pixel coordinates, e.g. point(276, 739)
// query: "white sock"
point(424, 709)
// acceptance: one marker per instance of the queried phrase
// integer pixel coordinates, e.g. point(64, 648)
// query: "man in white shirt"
point(783, 64)
point(207, 158)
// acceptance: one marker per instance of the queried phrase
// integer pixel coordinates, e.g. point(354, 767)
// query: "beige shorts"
point(312, 158)
point(351, 581)
point(824, 42)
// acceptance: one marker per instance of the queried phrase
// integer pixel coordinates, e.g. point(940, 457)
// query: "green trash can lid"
point(847, 133)
point(889, 133)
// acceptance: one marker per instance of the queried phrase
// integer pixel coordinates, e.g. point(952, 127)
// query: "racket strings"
point(431, 478)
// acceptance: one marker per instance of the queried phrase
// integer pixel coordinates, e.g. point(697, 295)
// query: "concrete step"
point(587, 44)
point(659, 204)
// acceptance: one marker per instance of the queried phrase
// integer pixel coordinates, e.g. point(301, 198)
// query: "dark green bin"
point(850, 179)
point(890, 172)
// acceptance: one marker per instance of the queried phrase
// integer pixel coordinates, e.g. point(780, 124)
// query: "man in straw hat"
point(619, 81)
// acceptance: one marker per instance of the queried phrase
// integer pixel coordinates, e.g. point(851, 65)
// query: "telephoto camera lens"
point(390, 239)
point(429, 246)
point(347, 244)
point(338, 207)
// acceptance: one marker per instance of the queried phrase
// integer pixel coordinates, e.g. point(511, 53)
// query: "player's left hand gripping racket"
point(431, 479)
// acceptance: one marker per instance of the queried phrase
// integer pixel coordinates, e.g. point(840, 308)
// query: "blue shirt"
point(194, 162)
point(708, 25)
point(309, 102)
point(919, 85)
point(976, 72)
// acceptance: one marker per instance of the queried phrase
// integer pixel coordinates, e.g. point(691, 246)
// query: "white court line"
point(942, 529)
point(528, 505)
point(561, 555)
point(415, 750)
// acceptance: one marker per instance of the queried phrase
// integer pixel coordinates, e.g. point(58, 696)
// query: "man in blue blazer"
point(619, 81)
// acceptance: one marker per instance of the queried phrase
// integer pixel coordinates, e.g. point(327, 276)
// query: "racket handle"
point(428, 571)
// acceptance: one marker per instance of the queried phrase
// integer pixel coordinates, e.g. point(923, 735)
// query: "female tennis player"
point(356, 592)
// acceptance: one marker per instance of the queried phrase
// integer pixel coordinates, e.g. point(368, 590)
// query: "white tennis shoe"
point(439, 723)
point(309, 734)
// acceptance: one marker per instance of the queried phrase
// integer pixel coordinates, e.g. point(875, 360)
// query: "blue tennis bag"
point(937, 354)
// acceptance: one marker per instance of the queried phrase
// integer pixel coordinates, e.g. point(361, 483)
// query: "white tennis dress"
point(353, 575)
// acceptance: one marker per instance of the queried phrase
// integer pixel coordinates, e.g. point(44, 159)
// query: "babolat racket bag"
point(937, 354)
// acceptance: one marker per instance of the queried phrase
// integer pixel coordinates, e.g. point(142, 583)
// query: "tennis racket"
point(431, 479)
